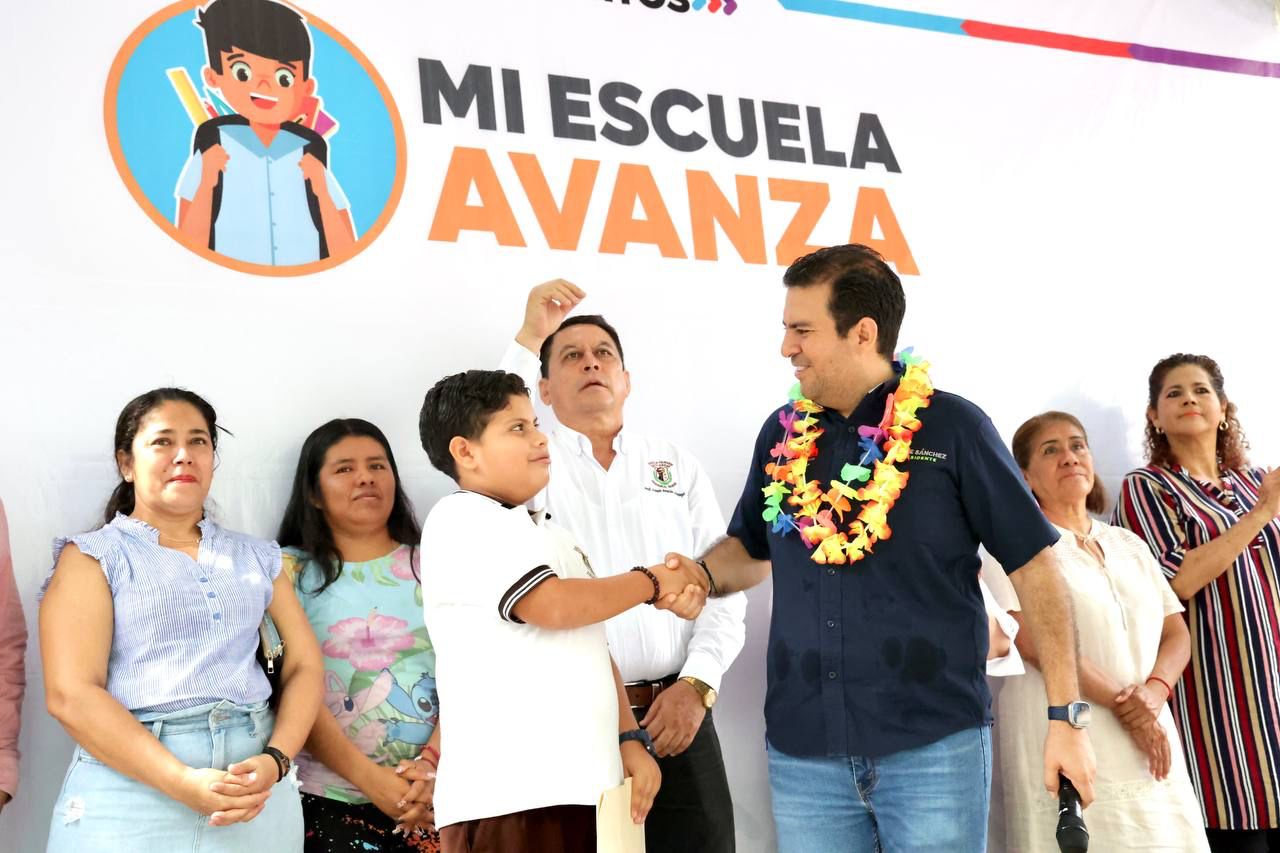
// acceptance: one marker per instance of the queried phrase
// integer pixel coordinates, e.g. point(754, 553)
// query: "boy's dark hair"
point(862, 285)
point(544, 352)
point(463, 404)
point(263, 27)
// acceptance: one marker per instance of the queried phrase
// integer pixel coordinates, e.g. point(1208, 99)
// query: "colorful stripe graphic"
point(729, 6)
point(1035, 38)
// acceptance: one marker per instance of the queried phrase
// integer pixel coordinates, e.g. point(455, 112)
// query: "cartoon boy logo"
point(218, 128)
point(257, 186)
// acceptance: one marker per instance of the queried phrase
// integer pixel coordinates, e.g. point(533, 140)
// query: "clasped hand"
point(1153, 741)
point(416, 807)
point(1137, 706)
point(682, 586)
point(1138, 710)
point(235, 795)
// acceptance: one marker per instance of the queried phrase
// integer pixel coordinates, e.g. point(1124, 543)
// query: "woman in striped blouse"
point(1211, 521)
point(148, 628)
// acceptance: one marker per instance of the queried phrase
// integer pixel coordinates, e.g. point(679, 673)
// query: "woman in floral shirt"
point(350, 542)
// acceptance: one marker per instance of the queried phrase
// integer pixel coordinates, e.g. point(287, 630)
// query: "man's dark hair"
point(862, 285)
point(544, 353)
point(262, 27)
point(463, 404)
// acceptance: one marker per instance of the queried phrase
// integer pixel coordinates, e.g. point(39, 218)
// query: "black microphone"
point(1073, 835)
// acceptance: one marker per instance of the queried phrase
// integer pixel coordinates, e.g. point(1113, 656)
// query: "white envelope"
point(615, 831)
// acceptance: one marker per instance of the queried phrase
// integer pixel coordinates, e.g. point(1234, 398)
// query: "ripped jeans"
point(102, 811)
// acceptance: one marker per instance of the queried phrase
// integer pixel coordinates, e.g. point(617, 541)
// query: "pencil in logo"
point(198, 111)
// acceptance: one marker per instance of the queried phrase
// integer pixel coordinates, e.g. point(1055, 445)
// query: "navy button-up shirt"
point(889, 653)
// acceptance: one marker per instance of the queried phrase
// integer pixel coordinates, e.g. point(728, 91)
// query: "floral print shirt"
point(380, 668)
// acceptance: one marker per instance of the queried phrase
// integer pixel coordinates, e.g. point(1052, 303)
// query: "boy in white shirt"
point(538, 725)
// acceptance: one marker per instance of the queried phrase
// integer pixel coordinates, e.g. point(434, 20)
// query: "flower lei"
point(883, 447)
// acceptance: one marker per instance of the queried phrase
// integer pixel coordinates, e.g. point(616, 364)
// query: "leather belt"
point(640, 694)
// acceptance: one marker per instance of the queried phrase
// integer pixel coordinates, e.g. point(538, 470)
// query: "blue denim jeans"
point(932, 798)
point(100, 810)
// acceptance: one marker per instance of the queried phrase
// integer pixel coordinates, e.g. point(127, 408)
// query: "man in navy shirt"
point(878, 716)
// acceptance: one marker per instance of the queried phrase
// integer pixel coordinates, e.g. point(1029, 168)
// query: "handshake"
point(683, 586)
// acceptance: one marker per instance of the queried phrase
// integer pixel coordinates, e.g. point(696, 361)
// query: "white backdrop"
point(1074, 218)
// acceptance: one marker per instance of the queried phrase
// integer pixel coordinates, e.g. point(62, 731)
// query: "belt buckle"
point(646, 685)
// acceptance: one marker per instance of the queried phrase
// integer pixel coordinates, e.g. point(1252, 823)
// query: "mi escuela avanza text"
point(621, 114)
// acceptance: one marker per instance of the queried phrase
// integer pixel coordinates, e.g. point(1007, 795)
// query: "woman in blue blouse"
point(149, 628)
point(351, 543)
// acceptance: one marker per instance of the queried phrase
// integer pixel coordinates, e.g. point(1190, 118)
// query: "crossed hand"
point(235, 795)
point(416, 810)
point(1138, 709)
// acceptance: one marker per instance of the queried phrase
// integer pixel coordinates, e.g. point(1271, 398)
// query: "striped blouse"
point(1227, 704)
point(185, 631)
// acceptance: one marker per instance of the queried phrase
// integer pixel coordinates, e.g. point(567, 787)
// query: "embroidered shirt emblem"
point(663, 474)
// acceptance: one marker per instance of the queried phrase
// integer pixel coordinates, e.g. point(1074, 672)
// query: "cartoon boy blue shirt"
point(258, 187)
point(264, 216)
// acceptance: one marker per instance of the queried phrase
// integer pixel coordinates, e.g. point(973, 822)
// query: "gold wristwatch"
point(706, 691)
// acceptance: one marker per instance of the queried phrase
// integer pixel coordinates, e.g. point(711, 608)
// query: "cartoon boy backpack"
point(209, 134)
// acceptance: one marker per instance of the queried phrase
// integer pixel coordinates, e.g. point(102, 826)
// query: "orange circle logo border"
point(125, 53)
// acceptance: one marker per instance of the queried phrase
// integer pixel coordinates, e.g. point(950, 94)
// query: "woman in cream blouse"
point(1133, 645)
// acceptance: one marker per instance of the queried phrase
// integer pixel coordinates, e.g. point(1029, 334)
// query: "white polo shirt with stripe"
point(529, 716)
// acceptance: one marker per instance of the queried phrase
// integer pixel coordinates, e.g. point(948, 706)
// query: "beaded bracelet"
point(657, 590)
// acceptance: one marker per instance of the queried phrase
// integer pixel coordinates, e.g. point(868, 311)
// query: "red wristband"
point(432, 755)
point(1162, 681)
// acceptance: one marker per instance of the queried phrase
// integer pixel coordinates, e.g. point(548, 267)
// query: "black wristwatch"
point(641, 736)
point(283, 762)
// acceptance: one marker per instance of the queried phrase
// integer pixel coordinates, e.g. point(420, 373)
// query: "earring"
point(1158, 430)
point(128, 479)
point(1222, 427)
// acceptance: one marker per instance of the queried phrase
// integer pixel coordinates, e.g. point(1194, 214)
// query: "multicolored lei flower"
point(820, 514)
